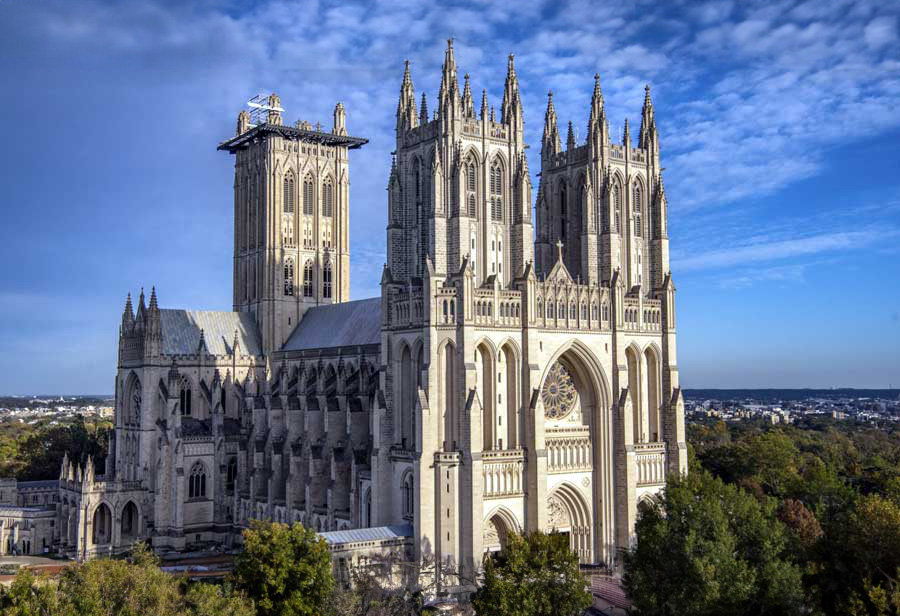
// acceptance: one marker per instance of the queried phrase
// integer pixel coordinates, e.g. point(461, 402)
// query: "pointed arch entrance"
point(578, 436)
point(569, 515)
point(497, 527)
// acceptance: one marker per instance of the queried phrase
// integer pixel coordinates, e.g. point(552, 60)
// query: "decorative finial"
point(559, 247)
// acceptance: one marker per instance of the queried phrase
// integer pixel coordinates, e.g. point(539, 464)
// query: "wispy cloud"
point(747, 277)
point(782, 249)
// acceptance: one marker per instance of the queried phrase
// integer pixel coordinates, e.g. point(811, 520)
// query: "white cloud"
point(769, 251)
point(881, 31)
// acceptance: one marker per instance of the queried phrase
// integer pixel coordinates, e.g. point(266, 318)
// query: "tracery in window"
point(496, 175)
point(197, 481)
point(408, 496)
point(308, 279)
point(470, 188)
point(288, 193)
point(289, 276)
point(637, 210)
point(308, 195)
point(326, 281)
point(617, 207)
point(184, 398)
point(328, 198)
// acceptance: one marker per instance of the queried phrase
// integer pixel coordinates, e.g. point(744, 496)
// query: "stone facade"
point(499, 384)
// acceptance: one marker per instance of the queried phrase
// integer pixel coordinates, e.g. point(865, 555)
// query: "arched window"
point(134, 402)
point(408, 497)
point(496, 191)
point(637, 210)
point(308, 195)
point(308, 279)
point(470, 188)
point(289, 276)
point(328, 199)
point(617, 207)
point(197, 481)
point(184, 398)
point(231, 475)
point(326, 281)
point(288, 196)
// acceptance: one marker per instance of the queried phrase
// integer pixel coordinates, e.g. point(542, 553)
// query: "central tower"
point(459, 190)
point(291, 218)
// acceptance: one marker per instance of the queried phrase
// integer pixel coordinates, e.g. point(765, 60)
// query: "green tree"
point(202, 599)
point(534, 575)
point(104, 587)
point(285, 569)
point(29, 596)
point(709, 548)
point(42, 451)
point(860, 553)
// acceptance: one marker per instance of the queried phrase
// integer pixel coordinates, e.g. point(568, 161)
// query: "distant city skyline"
point(780, 131)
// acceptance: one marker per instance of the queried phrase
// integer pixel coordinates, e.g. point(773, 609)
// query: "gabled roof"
point(559, 273)
point(181, 332)
point(356, 323)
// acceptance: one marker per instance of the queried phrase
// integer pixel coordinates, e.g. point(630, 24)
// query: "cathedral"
point(518, 371)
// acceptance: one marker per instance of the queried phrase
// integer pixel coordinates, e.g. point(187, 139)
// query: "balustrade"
point(650, 459)
point(503, 473)
point(569, 454)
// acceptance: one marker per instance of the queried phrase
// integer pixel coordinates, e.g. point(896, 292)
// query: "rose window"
point(558, 394)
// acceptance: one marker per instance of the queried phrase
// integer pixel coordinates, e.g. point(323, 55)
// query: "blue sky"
point(780, 126)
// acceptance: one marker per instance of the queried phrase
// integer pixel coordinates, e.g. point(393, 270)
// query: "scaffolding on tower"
point(259, 107)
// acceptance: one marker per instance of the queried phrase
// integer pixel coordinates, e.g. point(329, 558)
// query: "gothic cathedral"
point(518, 371)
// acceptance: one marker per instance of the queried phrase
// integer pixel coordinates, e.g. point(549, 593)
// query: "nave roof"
point(356, 323)
point(181, 332)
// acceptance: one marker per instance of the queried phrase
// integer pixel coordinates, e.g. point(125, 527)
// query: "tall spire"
point(597, 110)
point(468, 103)
point(550, 144)
point(449, 84)
point(127, 314)
point(570, 138)
point(648, 122)
point(626, 136)
point(511, 108)
point(141, 308)
point(406, 105)
point(423, 112)
point(484, 105)
point(597, 129)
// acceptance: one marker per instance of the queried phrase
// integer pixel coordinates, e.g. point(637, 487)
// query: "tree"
point(29, 596)
point(103, 587)
point(860, 554)
point(709, 548)
point(42, 451)
point(202, 599)
point(534, 575)
point(285, 569)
